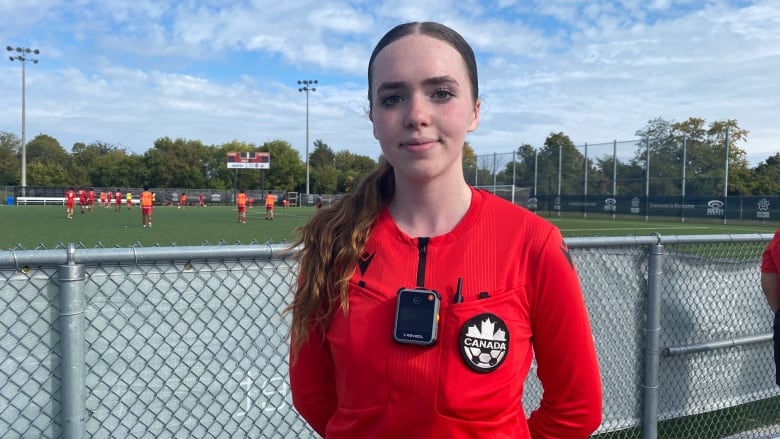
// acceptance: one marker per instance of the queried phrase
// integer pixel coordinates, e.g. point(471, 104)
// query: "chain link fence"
point(191, 341)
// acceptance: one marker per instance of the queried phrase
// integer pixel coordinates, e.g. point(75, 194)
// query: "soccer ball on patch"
point(485, 357)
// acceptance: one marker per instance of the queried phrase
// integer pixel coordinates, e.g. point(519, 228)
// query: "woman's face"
point(422, 107)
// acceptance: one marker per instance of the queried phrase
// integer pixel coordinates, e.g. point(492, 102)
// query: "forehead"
point(418, 56)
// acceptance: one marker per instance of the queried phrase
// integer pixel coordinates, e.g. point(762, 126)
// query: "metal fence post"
point(652, 343)
point(72, 305)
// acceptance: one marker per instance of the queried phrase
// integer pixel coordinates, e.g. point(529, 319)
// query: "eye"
point(442, 94)
point(390, 100)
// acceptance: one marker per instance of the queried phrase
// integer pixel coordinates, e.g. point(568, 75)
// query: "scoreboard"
point(249, 160)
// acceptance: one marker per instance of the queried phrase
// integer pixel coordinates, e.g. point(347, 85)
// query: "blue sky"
point(127, 72)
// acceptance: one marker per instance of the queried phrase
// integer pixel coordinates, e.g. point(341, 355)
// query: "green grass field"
point(47, 226)
point(31, 227)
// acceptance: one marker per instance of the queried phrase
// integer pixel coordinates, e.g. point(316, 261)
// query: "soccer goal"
point(292, 198)
point(514, 194)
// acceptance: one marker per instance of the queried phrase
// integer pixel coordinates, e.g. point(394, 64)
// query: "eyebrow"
point(436, 80)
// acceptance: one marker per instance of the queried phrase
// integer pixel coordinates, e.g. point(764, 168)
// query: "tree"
point(322, 155)
point(287, 171)
point(43, 173)
point(176, 164)
point(46, 149)
point(117, 169)
point(766, 177)
point(10, 163)
point(351, 167)
point(558, 148)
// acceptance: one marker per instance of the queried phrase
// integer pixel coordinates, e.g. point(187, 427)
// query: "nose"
point(418, 112)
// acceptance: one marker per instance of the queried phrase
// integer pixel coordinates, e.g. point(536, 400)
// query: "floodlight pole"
point(23, 57)
point(306, 87)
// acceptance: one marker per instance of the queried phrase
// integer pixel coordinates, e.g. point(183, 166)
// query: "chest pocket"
point(473, 388)
point(359, 341)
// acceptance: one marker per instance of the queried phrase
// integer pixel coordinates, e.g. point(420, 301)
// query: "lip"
point(419, 143)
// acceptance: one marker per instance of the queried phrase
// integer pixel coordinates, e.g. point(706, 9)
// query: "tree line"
point(182, 163)
point(687, 156)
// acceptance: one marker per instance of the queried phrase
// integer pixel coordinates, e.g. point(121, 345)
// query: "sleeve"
point(312, 382)
point(768, 262)
point(563, 345)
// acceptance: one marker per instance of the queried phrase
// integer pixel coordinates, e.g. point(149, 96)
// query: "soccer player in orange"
point(241, 204)
point(269, 206)
point(147, 199)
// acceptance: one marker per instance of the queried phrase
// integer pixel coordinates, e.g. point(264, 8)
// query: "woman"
point(506, 284)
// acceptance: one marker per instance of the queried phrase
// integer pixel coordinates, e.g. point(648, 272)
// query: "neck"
point(429, 209)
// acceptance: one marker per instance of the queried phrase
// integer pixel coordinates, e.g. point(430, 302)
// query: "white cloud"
point(129, 72)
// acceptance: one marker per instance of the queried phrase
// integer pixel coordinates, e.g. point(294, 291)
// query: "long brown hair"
point(334, 237)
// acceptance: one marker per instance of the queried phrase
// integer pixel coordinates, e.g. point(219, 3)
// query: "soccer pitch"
point(31, 227)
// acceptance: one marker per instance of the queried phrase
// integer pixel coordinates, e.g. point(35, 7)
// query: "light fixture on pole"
point(306, 86)
point(23, 56)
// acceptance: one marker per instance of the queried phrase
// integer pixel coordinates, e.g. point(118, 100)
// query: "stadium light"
point(23, 56)
point(306, 86)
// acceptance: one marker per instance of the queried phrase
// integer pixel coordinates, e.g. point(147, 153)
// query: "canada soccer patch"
point(484, 342)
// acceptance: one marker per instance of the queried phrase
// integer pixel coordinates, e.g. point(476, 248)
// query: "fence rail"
point(191, 342)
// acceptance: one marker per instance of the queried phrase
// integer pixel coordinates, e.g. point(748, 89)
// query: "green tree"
point(43, 173)
point(558, 148)
point(351, 167)
point(287, 172)
point(322, 155)
point(766, 177)
point(46, 149)
point(176, 163)
point(10, 163)
point(324, 179)
point(117, 169)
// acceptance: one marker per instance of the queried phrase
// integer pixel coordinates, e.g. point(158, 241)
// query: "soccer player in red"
point(201, 200)
point(508, 286)
point(241, 205)
point(118, 200)
point(147, 200)
point(82, 199)
point(91, 199)
point(70, 202)
point(770, 284)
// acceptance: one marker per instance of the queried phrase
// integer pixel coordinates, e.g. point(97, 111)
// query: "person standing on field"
point(117, 200)
point(770, 284)
point(241, 205)
point(270, 200)
point(70, 202)
point(91, 199)
point(147, 201)
point(490, 286)
point(82, 199)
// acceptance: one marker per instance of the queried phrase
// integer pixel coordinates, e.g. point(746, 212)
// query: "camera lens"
point(417, 300)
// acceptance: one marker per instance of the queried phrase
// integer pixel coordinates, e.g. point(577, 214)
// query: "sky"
point(128, 72)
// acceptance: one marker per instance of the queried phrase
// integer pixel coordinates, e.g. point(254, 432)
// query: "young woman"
point(770, 285)
point(496, 283)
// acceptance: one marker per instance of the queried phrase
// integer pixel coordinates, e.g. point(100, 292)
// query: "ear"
point(475, 116)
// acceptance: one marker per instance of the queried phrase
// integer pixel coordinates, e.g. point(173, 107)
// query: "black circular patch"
point(484, 342)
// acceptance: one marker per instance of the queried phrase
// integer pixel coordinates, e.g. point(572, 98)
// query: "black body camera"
point(416, 316)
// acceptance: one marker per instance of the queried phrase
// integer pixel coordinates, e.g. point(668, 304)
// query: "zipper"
point(422, 254)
